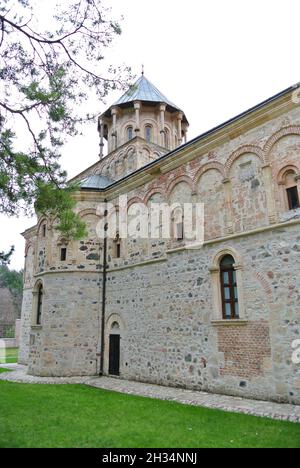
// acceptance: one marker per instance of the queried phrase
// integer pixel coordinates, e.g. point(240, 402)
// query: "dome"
point(143, 90)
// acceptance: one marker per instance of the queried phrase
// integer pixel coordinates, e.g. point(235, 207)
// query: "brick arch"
point(42, 220)
point(285, 131)
point(264, 283)
point(120, 156)
point(130, 148)
point(27, 247)
point(256, 150)
point(146, 148)
point(153, 191)
point(207, 167)
point(133, 201)
point(284, 170)
point(178, 180)
point(87, 211)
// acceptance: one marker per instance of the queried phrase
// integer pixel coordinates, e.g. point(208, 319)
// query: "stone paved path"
point(208, 400)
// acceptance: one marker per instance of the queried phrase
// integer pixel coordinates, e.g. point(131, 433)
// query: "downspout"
point(103, 291)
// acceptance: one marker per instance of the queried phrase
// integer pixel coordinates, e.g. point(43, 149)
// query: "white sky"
point(214, 59)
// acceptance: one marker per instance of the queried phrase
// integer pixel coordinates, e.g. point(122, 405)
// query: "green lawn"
point(80, 416)
point(9, 355)
point(2, 370)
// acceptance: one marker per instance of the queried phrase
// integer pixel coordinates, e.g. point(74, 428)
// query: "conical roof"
point(144, 90)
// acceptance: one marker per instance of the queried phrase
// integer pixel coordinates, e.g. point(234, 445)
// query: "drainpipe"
point(103, 290)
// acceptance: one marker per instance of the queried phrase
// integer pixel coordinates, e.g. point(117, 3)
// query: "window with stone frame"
point(167, 138)
point(229, 289)
point(148, 133)
point(117, 247)
point(129, 133)
point(293, 197)
point(62, 249)
point(63, 254)
point(177, 228)
point(39, 304)
point(290, 184)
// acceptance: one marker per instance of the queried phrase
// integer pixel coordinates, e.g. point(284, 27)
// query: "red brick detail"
point(152, 192)
point(243, 150)
point(209, 166)
point(178, 180)
point(290, 130)
point(27, 247)
point(244, 348)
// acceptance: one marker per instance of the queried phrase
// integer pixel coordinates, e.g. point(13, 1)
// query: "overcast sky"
point(212, 58)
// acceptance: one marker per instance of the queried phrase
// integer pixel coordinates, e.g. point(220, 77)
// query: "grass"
point(2, 370)
point(8, 355)
point(80, 416)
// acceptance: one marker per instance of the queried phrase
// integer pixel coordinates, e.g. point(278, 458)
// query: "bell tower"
point(140, 127)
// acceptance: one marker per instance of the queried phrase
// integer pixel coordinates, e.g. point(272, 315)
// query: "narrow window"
point(44, 230)
point(178, 224)
point(179, 231)
point(118, 250)
point(39, 305)
point(167, 138)
point(63, 254)
point(293, 197)
point(129, 133)
point(148, 133)
point(229, 288)
point(117, 247)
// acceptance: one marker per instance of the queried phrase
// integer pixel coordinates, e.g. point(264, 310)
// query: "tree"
point(12, 280)
point(5, 257)
point(45, 75)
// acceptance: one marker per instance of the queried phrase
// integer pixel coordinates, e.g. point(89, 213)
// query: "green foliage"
point(45, 76)
point(11, 279)
point(58, 204)
point(9, 332)
point(5, 256)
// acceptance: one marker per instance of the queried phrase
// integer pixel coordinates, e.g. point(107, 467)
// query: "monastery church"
point(221, 317)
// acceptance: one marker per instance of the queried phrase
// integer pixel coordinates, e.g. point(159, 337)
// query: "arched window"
point(230, 301)
point(129, 133)
point(167, 138)
point(291, 190)
point(39, 305)
point(117, 247)
point(115, 326)
point(148, 133)
point(63, 254)
point(178, 223)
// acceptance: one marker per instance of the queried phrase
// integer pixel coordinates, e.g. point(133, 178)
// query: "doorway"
point(114, 355)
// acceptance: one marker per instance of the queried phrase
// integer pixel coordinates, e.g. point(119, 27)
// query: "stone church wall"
point(170, 336)
point(165, 298)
